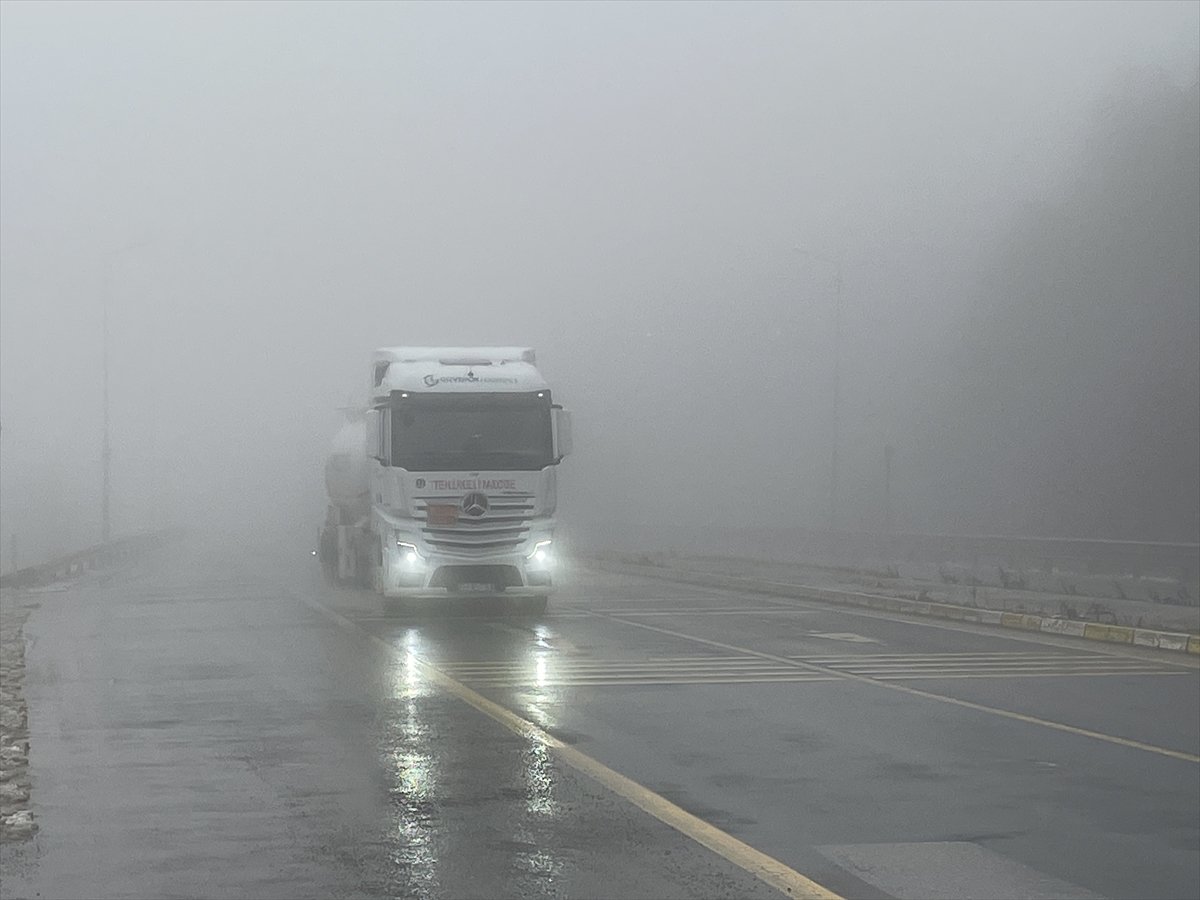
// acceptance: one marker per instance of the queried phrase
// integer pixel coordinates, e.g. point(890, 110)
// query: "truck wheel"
point(365, 577)
point(327, 552)
point(370, 568)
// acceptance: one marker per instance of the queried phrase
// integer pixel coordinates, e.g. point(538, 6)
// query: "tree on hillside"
point(1081, 381)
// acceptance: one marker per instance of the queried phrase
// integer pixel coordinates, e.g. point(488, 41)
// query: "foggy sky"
point(620, 186)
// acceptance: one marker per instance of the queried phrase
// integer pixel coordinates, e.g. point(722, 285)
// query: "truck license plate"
point(441, 514)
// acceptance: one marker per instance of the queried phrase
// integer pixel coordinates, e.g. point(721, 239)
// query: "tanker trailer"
point(349, 509)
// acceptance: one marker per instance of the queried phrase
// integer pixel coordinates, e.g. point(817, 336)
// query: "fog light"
point(541, 555)
point(409, 553)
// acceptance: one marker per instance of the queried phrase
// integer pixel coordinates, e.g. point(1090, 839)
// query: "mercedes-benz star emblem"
point(475, 504)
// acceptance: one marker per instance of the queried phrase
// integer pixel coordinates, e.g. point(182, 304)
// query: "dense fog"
point(656, 197)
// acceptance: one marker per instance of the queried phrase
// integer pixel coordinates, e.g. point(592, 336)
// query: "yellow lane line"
point(742, 855)
point(915, 692)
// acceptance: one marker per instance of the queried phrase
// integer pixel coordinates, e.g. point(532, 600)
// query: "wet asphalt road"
point(202, 727)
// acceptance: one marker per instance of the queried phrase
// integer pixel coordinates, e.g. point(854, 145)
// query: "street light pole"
point(106, 444)
point(836, 262)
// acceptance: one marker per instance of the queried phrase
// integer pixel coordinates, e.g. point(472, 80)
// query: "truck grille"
point(505, 525)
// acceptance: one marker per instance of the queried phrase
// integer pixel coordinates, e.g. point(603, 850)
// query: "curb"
point(1089, 631)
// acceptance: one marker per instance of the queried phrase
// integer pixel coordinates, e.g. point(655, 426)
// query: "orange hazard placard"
point(441, 514)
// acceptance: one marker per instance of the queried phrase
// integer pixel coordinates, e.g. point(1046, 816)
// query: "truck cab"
point(462, 449)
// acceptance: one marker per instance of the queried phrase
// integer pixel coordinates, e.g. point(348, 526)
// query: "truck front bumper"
point(514, 577)
point(443, 594)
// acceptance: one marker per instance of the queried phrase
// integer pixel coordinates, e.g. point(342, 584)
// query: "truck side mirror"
point(376, 438)
point(560, 420)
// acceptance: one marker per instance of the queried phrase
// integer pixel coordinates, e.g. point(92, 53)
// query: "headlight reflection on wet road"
point(419, 748)
point(539, 780)
point(414, 769)
point(538, 705)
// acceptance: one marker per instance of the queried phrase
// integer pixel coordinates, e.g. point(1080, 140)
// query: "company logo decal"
point(469, 378)
point(420, 483)
point(474, 504)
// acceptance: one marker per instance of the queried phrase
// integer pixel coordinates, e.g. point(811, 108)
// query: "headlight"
point(541, 553)
point(409, 553)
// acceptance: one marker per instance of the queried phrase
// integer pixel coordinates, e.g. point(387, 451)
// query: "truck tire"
point(365, 576)
point(327, 553)
point(370, 567)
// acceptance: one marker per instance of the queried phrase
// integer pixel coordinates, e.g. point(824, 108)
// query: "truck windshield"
point(458, 432)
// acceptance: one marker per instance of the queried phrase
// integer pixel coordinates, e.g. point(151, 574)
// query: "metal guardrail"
point(98, 556)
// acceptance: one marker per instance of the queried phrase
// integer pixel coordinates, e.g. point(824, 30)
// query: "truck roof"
point(454, 370)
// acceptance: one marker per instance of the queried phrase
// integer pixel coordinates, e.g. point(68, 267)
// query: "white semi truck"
point(446, 483)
